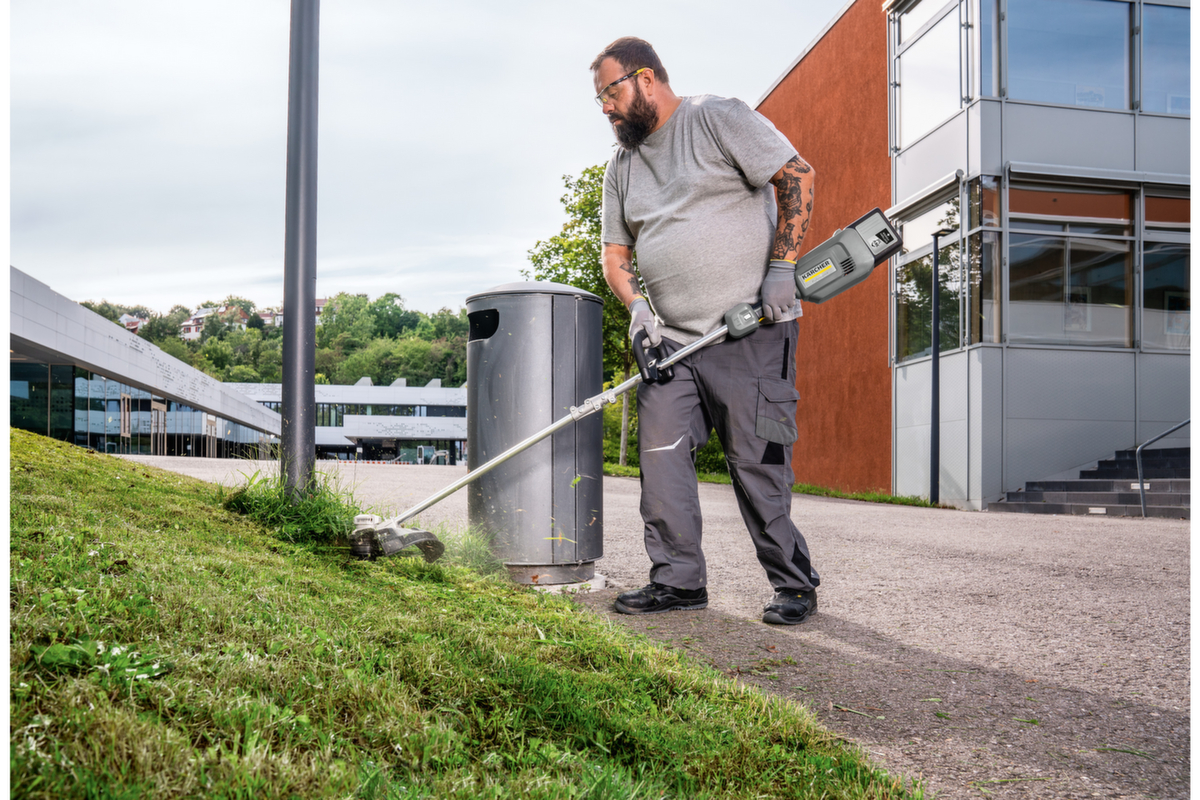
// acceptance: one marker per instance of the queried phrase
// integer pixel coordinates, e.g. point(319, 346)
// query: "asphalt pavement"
point(1095, 607)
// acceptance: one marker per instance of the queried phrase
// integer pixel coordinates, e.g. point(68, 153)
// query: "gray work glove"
point(779, 290)
point(643, 320)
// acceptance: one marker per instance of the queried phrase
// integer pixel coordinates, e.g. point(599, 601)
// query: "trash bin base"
point(548, 574)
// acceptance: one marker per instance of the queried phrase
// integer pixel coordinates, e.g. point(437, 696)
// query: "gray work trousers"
point(745, 389)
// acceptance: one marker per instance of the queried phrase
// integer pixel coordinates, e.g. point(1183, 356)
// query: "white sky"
point(148, 146)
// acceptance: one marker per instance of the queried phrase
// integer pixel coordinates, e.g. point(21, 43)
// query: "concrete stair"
point(1111, 489)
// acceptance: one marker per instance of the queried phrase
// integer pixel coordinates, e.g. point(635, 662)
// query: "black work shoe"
point(656, 598)
point(790, 607)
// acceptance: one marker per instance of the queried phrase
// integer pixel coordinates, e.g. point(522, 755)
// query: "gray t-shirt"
point(694, 201)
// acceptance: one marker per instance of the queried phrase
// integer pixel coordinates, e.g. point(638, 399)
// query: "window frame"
point(898, 48)
point(925, 205)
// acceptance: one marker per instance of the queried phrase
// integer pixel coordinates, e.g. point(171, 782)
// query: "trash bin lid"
point(535, 287)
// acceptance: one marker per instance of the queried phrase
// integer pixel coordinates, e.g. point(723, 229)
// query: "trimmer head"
point(394, 541)
point(370, 542)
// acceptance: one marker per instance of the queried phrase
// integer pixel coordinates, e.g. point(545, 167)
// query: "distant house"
point(271, 317)
point(321, 301)
point(132, 324)
point(192, 327)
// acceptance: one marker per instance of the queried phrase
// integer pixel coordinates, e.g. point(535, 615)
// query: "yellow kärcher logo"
point(822, 270)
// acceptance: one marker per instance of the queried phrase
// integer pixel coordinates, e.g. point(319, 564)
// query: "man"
point(716, 202)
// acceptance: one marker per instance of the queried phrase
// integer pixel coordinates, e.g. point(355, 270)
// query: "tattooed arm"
point(617, 262)
point(794, 193)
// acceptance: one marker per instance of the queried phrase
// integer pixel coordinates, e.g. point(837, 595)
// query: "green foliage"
point(300, 673)
point(240, 302)
point(711, 457)
point(445, 324)
point(612, 431)
point(161, 328)
point(391, 318)
point(217, 352)
point(176, 348)
point(321, 514)
point(240, 373)
point(113, 311)
point(346, 322)
point(214, 328)
point(417, 360)
point(572, 257)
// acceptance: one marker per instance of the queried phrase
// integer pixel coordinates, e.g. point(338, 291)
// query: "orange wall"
point(833, 108)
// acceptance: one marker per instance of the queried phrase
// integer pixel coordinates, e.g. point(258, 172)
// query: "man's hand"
point(643, 320)
point(779, 290)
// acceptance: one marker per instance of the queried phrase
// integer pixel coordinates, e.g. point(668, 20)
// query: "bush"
point(322, 515)
point(612, 431)
point(711, 457)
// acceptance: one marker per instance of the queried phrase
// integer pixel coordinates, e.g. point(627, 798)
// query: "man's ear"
point(649, 81)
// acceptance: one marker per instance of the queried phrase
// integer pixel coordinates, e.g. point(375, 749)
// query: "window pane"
point(917, 15)
point(1070, 291)
point(1167, 296)
point(1108, 212)
point(985, 202)
point(1061, 202)
point(1069, 52)
point(918, 231)
point(1166, 47)
point(28, 396)
point(985, 290)
point(914, 287)
point(989, 48)
point(1168, 213)
point(929, 90)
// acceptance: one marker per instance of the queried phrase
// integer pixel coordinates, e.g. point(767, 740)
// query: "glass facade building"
point(1051, 137)
point(78, 377)
point(86, 408)
point(398, 423)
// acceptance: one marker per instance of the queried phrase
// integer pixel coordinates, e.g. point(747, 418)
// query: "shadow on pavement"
point(965, 730)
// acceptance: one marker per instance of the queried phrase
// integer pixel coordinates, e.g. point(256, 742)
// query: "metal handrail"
point(1138, 457)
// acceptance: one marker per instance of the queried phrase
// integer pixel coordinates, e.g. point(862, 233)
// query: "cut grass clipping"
point(163, 646)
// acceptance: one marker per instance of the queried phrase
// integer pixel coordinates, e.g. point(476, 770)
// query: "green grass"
point(799, 488)
point(164, 646)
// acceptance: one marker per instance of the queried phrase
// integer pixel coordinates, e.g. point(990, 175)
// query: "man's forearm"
point(794, 196)
point(617, 261)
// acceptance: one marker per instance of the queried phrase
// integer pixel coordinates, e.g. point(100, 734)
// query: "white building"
point(381, 423)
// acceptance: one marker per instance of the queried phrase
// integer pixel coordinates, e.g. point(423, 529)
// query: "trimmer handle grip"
point(647, 361)
point(646, 357)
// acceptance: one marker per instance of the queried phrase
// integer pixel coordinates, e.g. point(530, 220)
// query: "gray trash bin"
point(534, 351)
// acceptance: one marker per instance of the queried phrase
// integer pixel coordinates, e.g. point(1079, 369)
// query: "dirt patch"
point(966, 731)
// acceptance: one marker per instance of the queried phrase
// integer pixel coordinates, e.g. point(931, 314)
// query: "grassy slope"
point(298, 673)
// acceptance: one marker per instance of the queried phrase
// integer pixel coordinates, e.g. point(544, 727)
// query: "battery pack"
point(847, 258)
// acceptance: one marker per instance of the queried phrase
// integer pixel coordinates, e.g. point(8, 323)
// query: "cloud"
point(148, 147)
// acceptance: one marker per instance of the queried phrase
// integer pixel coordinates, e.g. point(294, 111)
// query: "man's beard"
point(637, 123)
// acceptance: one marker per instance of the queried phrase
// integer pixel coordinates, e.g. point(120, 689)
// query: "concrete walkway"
point(1024, 655)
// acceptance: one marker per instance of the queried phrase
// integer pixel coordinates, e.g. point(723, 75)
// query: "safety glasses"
point(606, 94)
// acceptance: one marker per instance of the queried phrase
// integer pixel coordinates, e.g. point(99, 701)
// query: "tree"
point(347, 316)
point(114, 311)
point(214, 328)
point(444, 324)
point(242, 303)
point(391, 318)
point(161, 328)
point(217, 353)
point(572, 257)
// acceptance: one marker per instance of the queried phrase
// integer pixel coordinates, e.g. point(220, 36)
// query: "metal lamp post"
point(299, 435)
point(935, 346)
